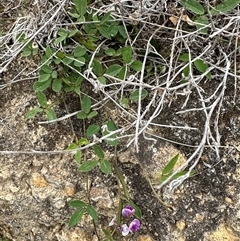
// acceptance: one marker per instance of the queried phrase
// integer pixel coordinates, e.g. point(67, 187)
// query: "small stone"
point(75, 235)
point(199, 217)
point(228, 200)
point(69, 189)
point(13, 187)
point(59, 204)
point(39, 180)
point(144, 238)
point(180, 224)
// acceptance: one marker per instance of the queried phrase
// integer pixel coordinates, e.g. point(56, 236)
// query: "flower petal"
point(112, 221)
point(124, 229)
point(128, 211)
point(134, 225)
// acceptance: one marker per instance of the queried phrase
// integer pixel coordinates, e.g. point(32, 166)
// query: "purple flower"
point(124, 230)
point(133, 227)
point(128, 211)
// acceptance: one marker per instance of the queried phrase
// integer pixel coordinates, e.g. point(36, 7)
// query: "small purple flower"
point(124, 230)
point(134, 225)
point(128, 211)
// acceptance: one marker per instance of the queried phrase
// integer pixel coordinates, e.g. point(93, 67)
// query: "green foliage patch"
point(201, 12)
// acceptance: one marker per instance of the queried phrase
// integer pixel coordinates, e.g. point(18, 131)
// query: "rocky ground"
point(35, 187)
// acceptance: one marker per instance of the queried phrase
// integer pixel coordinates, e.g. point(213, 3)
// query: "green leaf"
point(98, 151)
point(105, 166)
point(54, 74)
point(48, 52)
point(120, 51)
point(155, 44)
point(42, 99)
point(60, 39)
point(108, 235)
point(67, 60)
point(72, 146)
point(89, 44)
point(60, 54)
point(186, 71)
point(124, 102)
point(81, 6)
point(92, 114)
point(57, 61)
point(79, 51)
point(62, 32)
point(208, 75)
point(76, 217)
point(73, 32)
point(200, 65)
point(26, 52)
point(83, 142)
point(92, 212)
point(41, 86)
point(193, 6)
point(225, 6)
point(31, 113)
point(135, 95)
point(35, 51)
point(164, 178)
point(92, 130)
point(136, 65)
point(51, 115)
point(88, 166)
point(111, 140)
point(168, 168)
point(86, 104)
point(74, 15)
point(97, 67)
point(127, 54)
point(79, 62)
point(81, 115)
point(179, 174)
point(105, 18)
point(78, 156)
point(184, 57)
point(122, 74)
point(102, 80)
point(47, 69)
point(113, 70)
point(112, 29)
point(110, 52)
point(77, 90)
point(76, 204)
point(56, 85)
point(201, 21)
point(104, 32)
point(44, 77)
point(122, 31)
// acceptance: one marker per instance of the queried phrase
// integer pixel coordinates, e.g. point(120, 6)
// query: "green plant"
point(168, 170)
point(91, 57)
point(202, 15)
point(63, 71)
point(199, 64)
point(30, 47)
point(81, 209)
point(86, 112)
